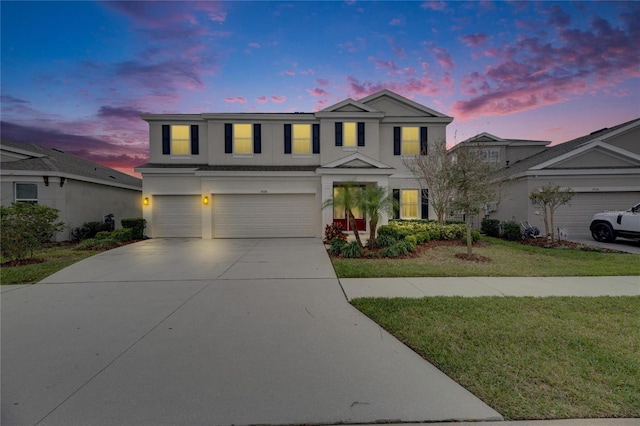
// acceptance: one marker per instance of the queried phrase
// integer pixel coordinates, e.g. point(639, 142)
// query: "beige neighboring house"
point(244, 175)
point(602, 168)
point(81, 190)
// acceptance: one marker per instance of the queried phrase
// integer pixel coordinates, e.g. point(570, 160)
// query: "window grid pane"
point(26, 192)
point(302, 139)
point(338, 211)
point(410, 140)
point(409, 204)
point(180, 140)
point(243, 139)
point(349, 134)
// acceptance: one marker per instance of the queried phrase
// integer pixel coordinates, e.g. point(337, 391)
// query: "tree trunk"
point(469, 239)
point(553, 233)
point(546, 221)
point(373, 225)
point(354, 227)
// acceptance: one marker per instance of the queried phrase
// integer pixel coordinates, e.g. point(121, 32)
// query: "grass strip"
point(508, 259)
point(528, 358)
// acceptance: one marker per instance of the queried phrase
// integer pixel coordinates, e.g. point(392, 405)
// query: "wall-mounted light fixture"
point(145, 201)
point(205, 200)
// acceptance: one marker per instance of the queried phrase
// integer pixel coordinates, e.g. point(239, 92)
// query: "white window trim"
point(402, 216)
point(24, 200)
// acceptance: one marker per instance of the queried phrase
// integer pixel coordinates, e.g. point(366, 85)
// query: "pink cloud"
point(473, 40)
point(434, 5)
point(262, 99)
point(254, 45)
point(239, 99)
point(278, 99)
point(424, 85)
point(322, 82)
point(399, 21)
point(317, 92)
point(290, 72)
point(443, 58)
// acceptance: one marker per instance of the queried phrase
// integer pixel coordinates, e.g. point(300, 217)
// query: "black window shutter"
point(195, 144)
point(423, 141)
point(338, 133)
point(257, 139)
point(228, 138)
point(360, 134)
point(316, 138)
point(424, 202)
point(166, 139)
point(396, 206)
point(396, 141)
point(287, 138)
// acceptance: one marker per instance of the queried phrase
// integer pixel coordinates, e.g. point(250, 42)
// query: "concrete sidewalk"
point(491, 286)
point(570, 422)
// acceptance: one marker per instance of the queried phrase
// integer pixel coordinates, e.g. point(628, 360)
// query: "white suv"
point(608, 226)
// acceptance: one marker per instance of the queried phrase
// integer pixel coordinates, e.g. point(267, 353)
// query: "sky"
point(77, 75)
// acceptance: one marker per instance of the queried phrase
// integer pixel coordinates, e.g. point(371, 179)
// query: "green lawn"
point(57, 257)
point(508, 259)
point(528, 358)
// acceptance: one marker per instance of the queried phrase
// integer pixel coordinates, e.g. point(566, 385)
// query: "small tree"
point(549, 197)
point(433, 171)
point(374, 200)
point(347, 200)
point(26, 227)
point(474, 183)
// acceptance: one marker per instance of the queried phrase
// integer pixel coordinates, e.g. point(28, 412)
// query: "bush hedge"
point(137, 224)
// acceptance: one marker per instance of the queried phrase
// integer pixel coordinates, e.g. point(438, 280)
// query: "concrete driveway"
point(218, 332)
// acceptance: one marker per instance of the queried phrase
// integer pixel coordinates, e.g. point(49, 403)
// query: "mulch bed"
point(545, 243)
point(21, 262)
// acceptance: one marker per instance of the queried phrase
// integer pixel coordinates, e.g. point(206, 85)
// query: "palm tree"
point(373, 200)
point(347, 200)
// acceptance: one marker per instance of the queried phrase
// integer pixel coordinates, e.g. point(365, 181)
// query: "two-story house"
point(247, 175)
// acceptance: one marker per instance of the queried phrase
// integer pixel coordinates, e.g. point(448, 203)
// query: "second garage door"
point(576, 216)
point(264, 215)
point(177, 216)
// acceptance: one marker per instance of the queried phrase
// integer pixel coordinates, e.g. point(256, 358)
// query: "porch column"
point(327, 194)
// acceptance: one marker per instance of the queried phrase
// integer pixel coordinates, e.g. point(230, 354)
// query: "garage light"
point(145, 201)
point(205, 200)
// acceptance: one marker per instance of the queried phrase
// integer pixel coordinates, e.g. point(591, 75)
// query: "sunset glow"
point(77, 75)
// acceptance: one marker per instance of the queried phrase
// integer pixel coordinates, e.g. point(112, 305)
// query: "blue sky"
point(77, 75)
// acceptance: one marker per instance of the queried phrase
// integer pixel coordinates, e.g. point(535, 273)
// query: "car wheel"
point(603, 232)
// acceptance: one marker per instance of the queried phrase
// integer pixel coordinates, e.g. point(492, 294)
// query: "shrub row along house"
point(81, 190)
point(241, 175)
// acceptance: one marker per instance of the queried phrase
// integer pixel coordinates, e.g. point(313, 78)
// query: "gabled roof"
point(349, 105)
point(356, 160)
point(493, 140)
point(51, 162)
point(385, 93)
point(564, 150)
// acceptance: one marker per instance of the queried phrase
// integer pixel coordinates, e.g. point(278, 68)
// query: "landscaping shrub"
point(333, 231)
point(475, 235)
point(137, 224)
point(336, 245)
point(422, 237)
point(391, 251)
point(385, 240)
point(411, 241)
point(96, 244)
point(352, 250)
point(103, 235)
point(511, 231)
point(25, 227)
point(387, 230)
point(402, 247)
point(122, 235)
point(89, 230)
point(490, 227)
point(431, 229)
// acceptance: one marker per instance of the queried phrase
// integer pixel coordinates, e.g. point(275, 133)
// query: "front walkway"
point(491, 286)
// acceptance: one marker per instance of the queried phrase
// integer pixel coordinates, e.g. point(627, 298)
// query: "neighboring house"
point(238, 175)
point(81, 190)
point(602, 168)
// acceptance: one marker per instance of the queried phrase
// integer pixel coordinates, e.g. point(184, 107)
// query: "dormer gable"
point(356, 160)
point(395, 105)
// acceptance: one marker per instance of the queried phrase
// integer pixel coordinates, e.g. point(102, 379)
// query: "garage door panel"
point(263, 215)
point(177, 216)
point(576, 217)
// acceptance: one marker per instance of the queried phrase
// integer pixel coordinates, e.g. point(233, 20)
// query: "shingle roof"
point(560, 149)
point(230, 168)
point(54, 161)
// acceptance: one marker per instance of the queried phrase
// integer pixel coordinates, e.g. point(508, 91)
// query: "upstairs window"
point(180, 140)
point(410, 141)
point(301, 139)
point(242, 139)
point(26, 193)
point(349, 134)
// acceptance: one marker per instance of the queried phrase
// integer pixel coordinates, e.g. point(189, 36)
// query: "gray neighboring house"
point(602, 168)
point(81, 190)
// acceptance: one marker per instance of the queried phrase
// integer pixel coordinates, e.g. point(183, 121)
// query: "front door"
point(340, 213)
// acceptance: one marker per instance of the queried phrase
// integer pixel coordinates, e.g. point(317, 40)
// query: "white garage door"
point(264, 215)
point(177, 216)
point(576, 217)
